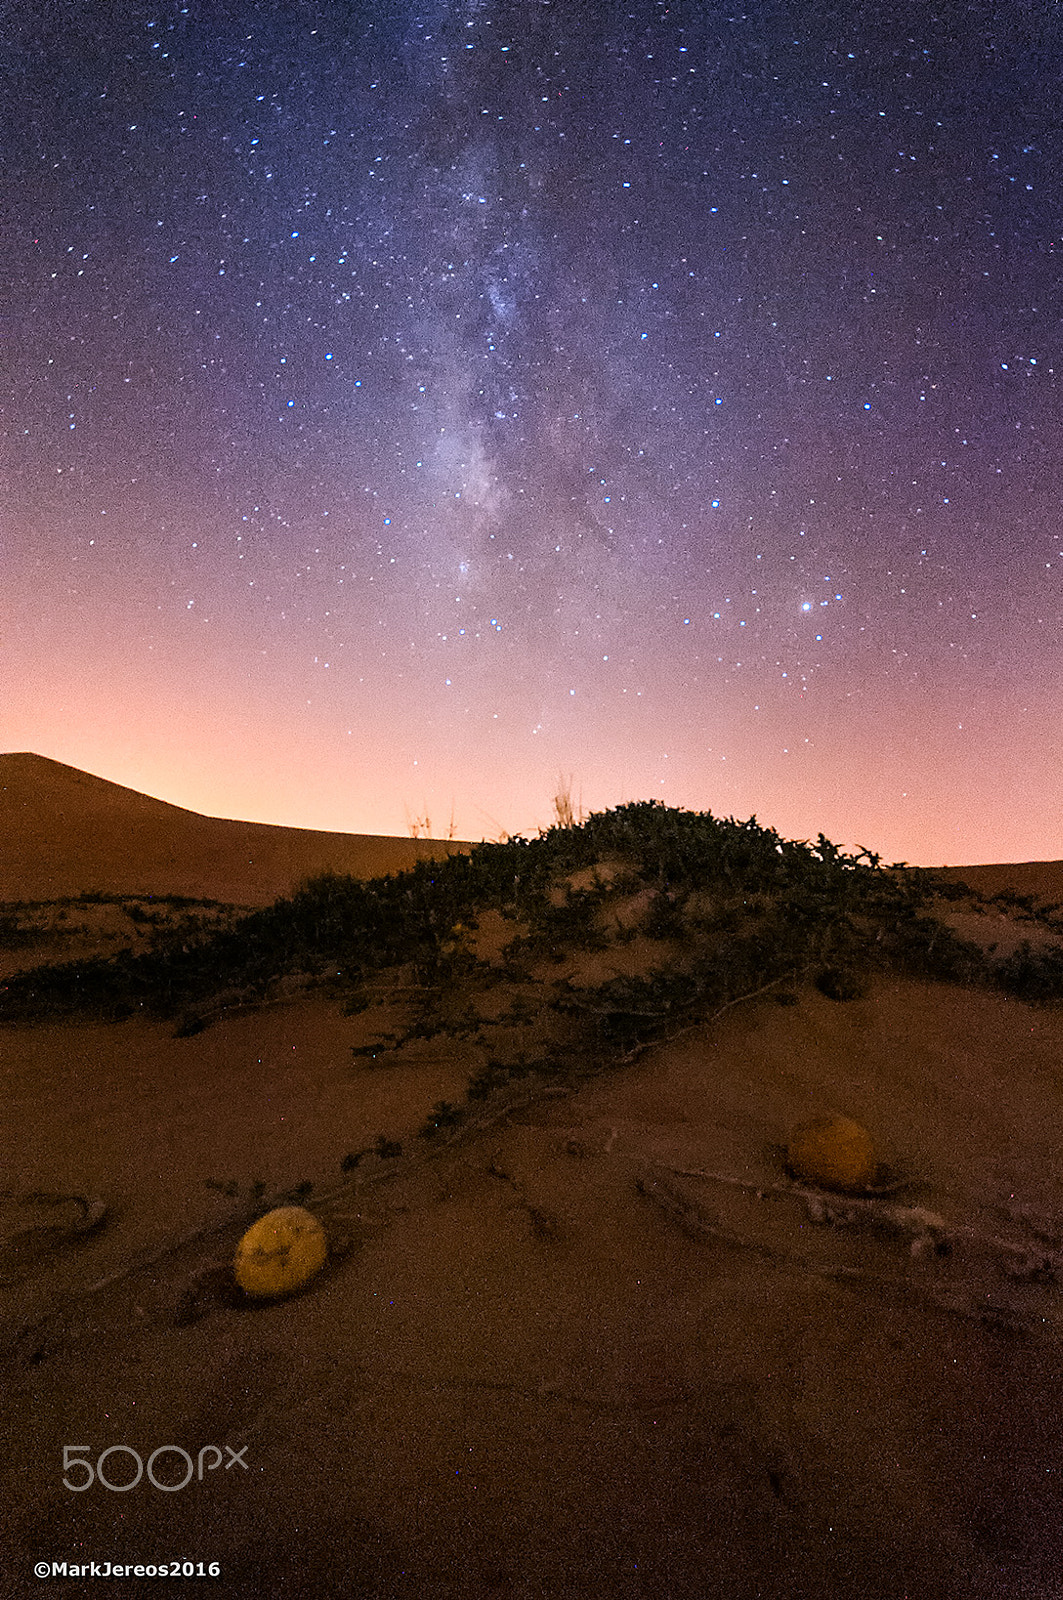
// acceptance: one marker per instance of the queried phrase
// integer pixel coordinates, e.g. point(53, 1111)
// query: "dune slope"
point(65, 832)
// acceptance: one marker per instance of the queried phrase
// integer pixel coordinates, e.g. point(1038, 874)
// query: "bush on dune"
point(778, 907)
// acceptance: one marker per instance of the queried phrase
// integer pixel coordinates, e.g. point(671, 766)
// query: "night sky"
point(407, 404)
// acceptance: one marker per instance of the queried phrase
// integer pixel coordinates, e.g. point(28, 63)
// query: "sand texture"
point(592, 1339)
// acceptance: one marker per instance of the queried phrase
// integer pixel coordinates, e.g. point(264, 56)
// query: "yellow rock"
point(834, 1152)
point(280, 1252)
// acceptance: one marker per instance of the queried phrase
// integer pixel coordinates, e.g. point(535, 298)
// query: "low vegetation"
point(557, 955)
point(120, 919)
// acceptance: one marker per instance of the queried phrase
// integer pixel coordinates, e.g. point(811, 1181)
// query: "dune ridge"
point(67, 832)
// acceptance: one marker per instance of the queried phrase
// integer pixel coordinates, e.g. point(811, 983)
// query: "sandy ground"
point(601, 1347)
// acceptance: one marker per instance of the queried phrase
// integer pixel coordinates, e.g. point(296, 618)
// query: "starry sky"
point(405, 406)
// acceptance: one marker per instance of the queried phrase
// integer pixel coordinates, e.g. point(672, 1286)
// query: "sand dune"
point(66, 832)
point(1041, 879)
point(598, 1345)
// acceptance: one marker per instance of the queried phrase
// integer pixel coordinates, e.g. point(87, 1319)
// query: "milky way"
point(407, 405)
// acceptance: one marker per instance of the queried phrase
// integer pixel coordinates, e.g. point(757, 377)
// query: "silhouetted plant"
point(565, 813)
point(665, 916)
point(15, 936)
point(442, 1115)
point(384, 1148)
point(494, 1074)
point(229, 1188)
point(1032, 975)
point(840, 983)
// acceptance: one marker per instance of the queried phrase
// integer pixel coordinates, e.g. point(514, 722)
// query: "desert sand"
point(594, 1342)
point(67, 832)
